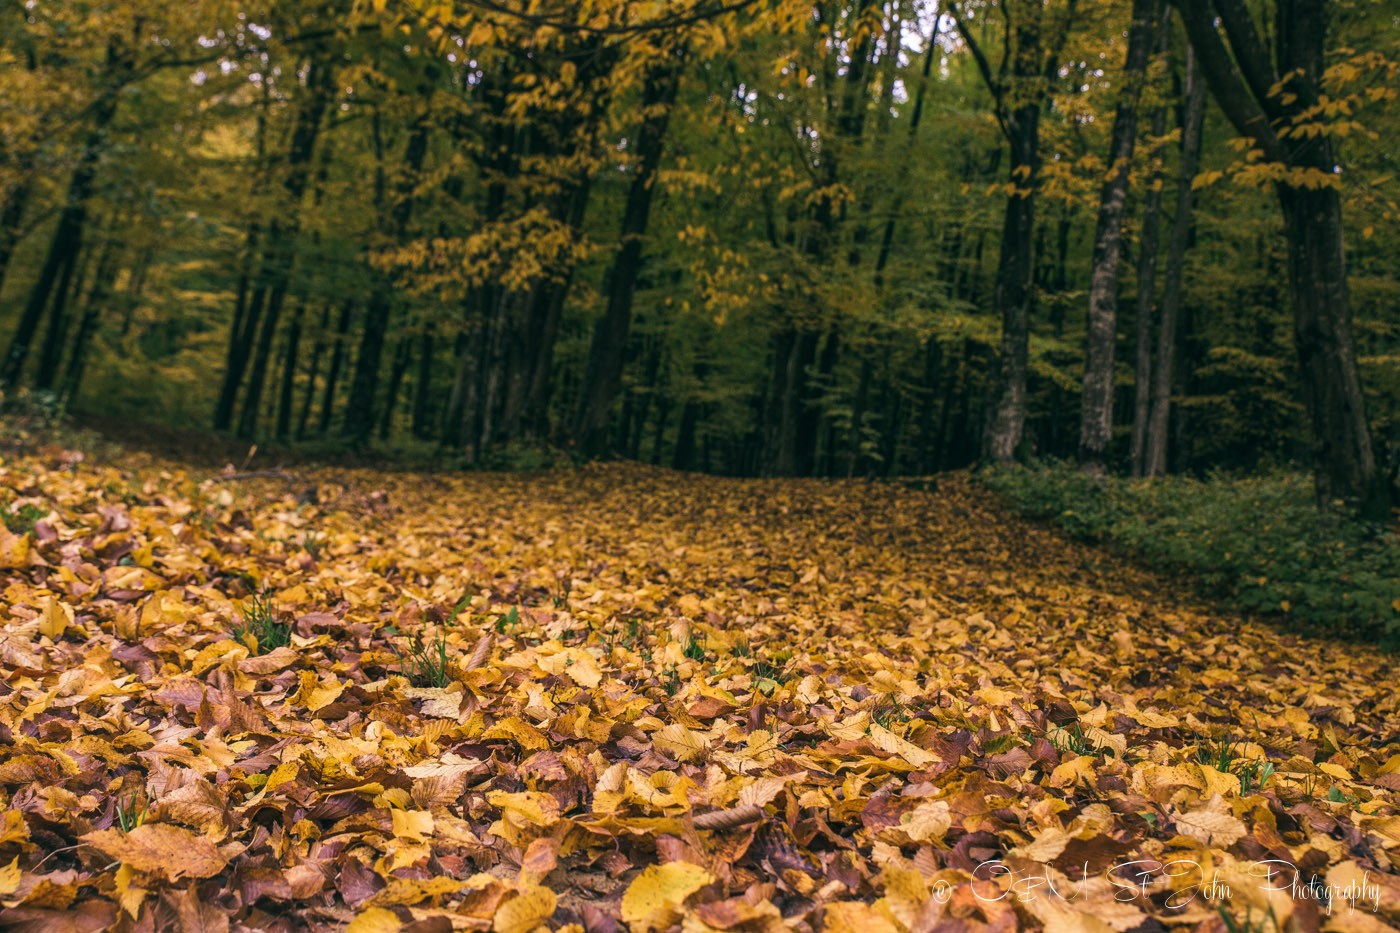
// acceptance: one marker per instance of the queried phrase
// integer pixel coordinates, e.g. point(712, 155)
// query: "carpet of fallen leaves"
point(618, 697)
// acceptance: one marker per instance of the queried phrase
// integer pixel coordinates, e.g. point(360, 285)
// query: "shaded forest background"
point(765, 237)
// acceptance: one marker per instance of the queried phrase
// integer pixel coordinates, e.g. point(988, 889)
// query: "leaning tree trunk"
point(1096, 405)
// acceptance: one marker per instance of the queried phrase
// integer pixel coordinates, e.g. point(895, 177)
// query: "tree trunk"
point(423, 385)
point(276, 274)
point(1011, 297)
point(342, 337)
point(402, 357)
point(1146, 304)
point(318, 349)
point(1096, 404)
point(1261, 97)
point(93, 306)
point(603, 376)
point(67, 241)
point(289, 371)
point(393, 221)
point(1193, 114)
point(1019, 91)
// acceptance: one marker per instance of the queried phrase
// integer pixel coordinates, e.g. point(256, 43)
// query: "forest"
point(753, 238)
point(699, 466)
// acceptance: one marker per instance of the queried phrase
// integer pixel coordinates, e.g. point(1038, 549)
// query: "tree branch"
point(998, 92)
point(1240, 107)
point(1251, 54)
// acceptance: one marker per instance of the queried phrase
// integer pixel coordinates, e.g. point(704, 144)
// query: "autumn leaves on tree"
point(760, 237)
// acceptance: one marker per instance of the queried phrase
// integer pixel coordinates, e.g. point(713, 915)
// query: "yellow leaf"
point(653, 900)
point(413, 825)
point(56, 618)
point(526, 911)
point(9, 877)
point(680, 743)
point(315, 694)
point(160, 849)
point(14, 549)
point(1211, 825)
point(374, 920)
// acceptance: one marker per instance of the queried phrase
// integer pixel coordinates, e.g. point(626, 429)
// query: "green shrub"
point(1259, 543)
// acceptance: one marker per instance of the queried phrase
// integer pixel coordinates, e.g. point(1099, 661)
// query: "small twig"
point(482, 651)
point(729, 819)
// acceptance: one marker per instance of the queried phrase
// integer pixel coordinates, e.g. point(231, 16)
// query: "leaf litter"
point(618, 697)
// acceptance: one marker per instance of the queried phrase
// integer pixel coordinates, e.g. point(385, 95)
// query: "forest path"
point(878, 689)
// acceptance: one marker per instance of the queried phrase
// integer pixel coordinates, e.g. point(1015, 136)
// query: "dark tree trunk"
point(67, 242)
point(1246, 83)
point(276, 274)
point(393, 221)
point(289, 372)
point(1011, 297)
point(402, 356)
point(423, 385)
point(342, 338)
point(249, 293)
point(318, 349)
point(603, 376)
point(1031, 61)
point(1096, 402)
point(11, 219)
point(93, 306)
point(1148, 248)
point(1193, 113)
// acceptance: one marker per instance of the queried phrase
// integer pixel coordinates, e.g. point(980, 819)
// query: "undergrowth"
point(1259, 544)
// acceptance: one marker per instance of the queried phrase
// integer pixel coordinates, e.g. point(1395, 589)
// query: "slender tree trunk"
point(342, 338)
point(359, 412)
point(289, 371)
point(423, 385)
point(603, 377)
point(11, 218)
point(402, 355)
point(318, 349)
point(1011, 296)
point(93, 306)
point(1096, 404)
point(1146, 305)
point(282, 242)
point(1193, 114)
point(249, 293)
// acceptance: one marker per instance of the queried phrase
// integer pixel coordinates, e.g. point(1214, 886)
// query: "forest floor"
point(623, 697)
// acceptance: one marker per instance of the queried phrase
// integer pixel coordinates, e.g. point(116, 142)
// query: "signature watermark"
point(1183, 880)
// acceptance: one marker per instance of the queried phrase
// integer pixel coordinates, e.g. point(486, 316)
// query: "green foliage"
point(131, 813)
point(261, 630)
point(1228, 757)
point(23, 519)
point(1259, 543)
point(426, 664)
